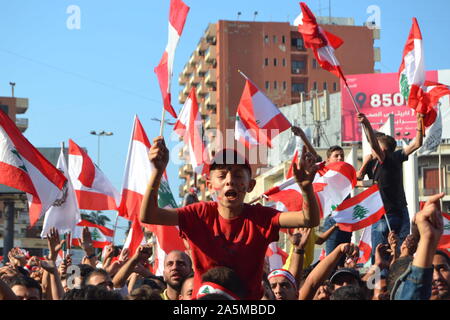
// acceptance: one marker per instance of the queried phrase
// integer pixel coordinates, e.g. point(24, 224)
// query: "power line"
point(78, 75)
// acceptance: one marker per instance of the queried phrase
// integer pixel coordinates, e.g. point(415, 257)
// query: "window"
point(266, 62)
point(324, 86)
point(284, 85)
point(284, 62)
point(267, 85)
point(298, 43)
point(298, 87)
point(314, 63)
point(315, 85)
point(283, 39)
point(275, 85)
point(266, 39)
point(275, 62)
point(334, 86)
point(298, 66)
point(274, 39)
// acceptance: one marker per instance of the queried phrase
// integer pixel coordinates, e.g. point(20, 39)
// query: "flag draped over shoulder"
point(93, 189)
point(177, 18)
point(24, 168)
point(258, 120)
point(360, 211)
point(63, 214)
point(421, 95)
point(320, 41)
point(189, 126)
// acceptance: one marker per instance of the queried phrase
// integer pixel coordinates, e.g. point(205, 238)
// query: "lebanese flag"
point(64, 214)
point(320, 41)
point(189, 126)
point(93, 189)
point(138, 169)
point(365, 245)
point(101, 235)
point(135, 236)
point(332, 184)
point(290, 172)
point(277, 256)
point(164, 70)
point(444, 243)
point(24, 168)
point(258, 120)
point(167, 237)
point(360, 211)
point(421, 95)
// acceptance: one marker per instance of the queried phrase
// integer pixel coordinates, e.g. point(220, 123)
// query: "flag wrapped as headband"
point(283, 273)
point(210, 288)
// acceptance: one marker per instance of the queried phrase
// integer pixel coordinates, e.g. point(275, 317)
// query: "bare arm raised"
point(304, 174)
point(150, 211)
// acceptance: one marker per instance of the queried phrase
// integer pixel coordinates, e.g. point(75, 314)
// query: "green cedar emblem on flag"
point(404, 87)
point(447, 226)
point(165, 196)
point(17, 154)
point(359, 212)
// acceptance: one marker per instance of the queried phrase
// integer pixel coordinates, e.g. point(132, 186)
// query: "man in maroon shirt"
point(229, 232)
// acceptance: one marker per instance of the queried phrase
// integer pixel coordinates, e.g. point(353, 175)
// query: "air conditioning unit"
point(447, 168)
point(297, 70)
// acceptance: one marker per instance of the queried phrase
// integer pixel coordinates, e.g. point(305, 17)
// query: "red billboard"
point(377, 95)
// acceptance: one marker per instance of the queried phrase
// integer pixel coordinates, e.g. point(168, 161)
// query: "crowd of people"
point(227, 241)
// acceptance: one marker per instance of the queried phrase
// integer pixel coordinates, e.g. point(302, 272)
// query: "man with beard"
point(441, 277)
point(177, 267)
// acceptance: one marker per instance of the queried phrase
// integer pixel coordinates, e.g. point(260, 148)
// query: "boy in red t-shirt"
point(229, 232)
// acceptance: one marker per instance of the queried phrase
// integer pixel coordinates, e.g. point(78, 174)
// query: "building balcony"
point(211, 33)
point(201, 89)
point(21, 105)
point(187, 70)
point(194, 80)
point(210, 55)
point(202, 67)
point(210, 99)
point(182, 79)
point(193, 59)
point(22, 124)
point(182, 97)
point(187, 169)
point(210, 123)
point(211, 77)
point(202, 45)
point(186, 90)
point(181, 173)
point(377, 54)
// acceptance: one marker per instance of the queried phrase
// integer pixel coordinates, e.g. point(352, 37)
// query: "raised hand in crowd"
point(393, 245)
point(416, 283)
point(299, 239)
point(324, 292)
point(109, 255)
point(17, 257)
point(141, 255)
point(54, 244)
point(305, 170)
point(159, 154)
point(409, 246)
point(324, 269)
point(86, 244)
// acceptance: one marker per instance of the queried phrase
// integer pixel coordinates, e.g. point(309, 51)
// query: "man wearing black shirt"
point(384, 166)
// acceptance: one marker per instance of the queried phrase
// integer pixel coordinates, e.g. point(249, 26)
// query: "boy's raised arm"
point(150, 212)
point(309, 217)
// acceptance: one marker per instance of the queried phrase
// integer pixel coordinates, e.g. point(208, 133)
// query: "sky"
point(98, 76)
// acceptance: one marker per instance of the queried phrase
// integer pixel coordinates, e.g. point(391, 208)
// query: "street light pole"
point(99, 134)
